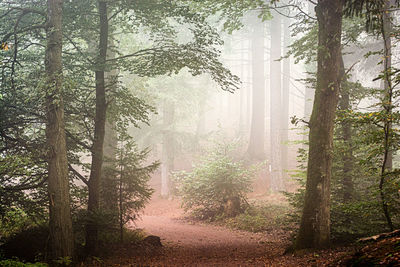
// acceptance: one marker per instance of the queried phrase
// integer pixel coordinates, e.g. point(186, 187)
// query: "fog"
point(196, 113)
point(199, 133)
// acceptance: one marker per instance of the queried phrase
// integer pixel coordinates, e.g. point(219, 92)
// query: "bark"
point(388, 106)
point(309, 90)
point(346, 131)
point(121, 202)
point(315, 222)
point(60, 225)
point(257, 131)
point(168, 147)
point(276, 104)
point(99, 132)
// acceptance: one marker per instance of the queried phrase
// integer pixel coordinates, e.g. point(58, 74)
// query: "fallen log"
point(379, 237)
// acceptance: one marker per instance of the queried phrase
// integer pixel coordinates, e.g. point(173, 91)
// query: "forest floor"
point(189, 243)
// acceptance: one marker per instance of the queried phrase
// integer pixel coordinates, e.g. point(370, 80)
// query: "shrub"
point(28, 244)
point(217, 187)
point(260, 217)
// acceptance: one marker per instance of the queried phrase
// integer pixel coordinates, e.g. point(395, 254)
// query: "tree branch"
point(80, 176)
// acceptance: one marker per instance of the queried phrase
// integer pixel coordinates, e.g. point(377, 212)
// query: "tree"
point(276, 104)
point(285, 97)
point(168, 144)
point(27, 82)
point(99, 131)
point(132, 178)
point(388, 94)
point(257, 132)
point(61, 240)
point(315, 222)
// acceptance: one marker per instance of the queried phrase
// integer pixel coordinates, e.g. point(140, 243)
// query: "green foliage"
point(362, 214)
point(231, 12)
point(16, 263)
point(28, 244)
point(261, 217)
point(216, 185)
point(14, 221)
point(64, 261)
point(132, 179)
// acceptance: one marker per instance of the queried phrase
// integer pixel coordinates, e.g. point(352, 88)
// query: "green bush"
point(28, 244)
point(261, 217)
point(215, 188)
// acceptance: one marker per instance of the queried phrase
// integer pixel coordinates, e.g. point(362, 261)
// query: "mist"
point(199, 133)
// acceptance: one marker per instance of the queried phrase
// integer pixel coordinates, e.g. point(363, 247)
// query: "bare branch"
point(80, 176)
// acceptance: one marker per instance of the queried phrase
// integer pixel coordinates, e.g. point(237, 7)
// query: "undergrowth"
point(17, 263)
point(260, 217)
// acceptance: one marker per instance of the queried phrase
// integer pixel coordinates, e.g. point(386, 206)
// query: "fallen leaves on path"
point(188, 243)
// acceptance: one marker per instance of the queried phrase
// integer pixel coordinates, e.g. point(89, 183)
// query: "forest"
point(199, 133)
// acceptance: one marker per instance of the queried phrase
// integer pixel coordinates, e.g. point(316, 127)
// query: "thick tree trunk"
point(315, 222)
point(276, 104)
point(61, 237)
point(99, 132)
point(168, 147)
point(257, 131)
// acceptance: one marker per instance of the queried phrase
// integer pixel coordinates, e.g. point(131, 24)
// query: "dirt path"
point(189, 244)
point(194, 244)
point(203, 245)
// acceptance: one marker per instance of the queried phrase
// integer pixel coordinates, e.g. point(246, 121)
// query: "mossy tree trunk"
point(315, 222)
point(61, 237)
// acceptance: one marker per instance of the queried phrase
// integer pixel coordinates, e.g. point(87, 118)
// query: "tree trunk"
point(285, 99)
point(347, 156)
point(168, 147)
point(120, 198)
point(242, 92)
point(109, 183)
point(276, 104)
point(99, 132)
point(309, 90)
point(388, 106)
point(201, 118)
point(60, 225)
point(315, 222)
point(256, 143)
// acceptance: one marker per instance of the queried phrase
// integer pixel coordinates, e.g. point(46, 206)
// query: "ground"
point(188, 243)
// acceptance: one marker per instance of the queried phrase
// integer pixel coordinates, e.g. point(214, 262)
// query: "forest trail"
point(186, 243)
point(196, 244)
point(204, 245)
